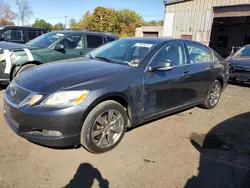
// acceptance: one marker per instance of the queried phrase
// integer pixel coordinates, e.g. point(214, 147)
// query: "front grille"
point(16, 93)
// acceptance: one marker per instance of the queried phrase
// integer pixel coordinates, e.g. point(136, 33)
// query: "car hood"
point(14, 46)
point(52, 77)
point(243, 63)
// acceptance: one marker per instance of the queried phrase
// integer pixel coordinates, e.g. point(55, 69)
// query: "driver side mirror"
point(59, 47)
point(161, 66)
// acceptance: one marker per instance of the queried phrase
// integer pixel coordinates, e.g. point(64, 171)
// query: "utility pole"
point(65, 22)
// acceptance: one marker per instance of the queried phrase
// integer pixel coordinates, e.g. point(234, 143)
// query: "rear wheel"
point(22, 69)
point(213, 96)
point(104, 127)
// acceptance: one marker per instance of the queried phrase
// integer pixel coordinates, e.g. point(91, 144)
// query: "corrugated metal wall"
point(195, 17)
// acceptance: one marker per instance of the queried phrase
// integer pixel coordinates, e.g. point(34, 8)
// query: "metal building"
point(220, 24)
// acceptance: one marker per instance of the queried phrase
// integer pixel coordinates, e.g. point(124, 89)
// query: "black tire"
point(207, 104)
point(22, 69)
point(87, 139)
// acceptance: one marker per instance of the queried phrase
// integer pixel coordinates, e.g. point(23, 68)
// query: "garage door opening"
point(229, 32)
point(231, 27)
point(150, 34)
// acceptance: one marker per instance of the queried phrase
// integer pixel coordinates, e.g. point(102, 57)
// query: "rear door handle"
point(187, 74)
point(81, 53)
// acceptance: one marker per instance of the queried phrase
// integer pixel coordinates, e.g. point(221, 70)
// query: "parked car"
point(240, 65)
point(53, 46)
point(121, 84)
point(20, 34)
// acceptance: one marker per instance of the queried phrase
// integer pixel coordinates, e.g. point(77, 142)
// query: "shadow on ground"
point(224, 155)
point(85, 176)
point(240, 84)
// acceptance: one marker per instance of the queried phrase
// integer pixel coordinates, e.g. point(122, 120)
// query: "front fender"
point(18, 59)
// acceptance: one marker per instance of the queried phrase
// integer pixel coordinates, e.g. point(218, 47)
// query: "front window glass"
point(172, 53)
point(12, 35)
point(243, 52)
point(46, 40)
point(124, 51)
point(73, 42)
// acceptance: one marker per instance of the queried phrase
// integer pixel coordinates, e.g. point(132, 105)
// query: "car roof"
point(85, 32)
point(160, 39)
point(13, 26)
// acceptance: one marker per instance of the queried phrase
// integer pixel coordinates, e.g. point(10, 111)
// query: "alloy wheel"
point(108, 128)
point(215, 94)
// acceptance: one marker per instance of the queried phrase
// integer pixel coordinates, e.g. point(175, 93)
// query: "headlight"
point(65, 98)
point(31, 100)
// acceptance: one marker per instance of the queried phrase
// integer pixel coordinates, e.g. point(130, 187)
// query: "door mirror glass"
point(161, 66)
point(59, 46)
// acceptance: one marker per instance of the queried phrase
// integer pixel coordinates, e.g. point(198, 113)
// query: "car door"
point(161, 87)
point(198, 75)
point(73, 47)
point(93, 41)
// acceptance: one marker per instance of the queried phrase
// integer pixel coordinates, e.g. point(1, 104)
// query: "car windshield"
point(125, 51)
point(243, 52)
point(46, 40)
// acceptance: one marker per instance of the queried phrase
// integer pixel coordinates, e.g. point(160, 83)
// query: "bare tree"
point(24, 11)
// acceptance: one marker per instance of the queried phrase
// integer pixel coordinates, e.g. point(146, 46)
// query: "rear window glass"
point(110, 39)
point(31, 34)
point(94, 41)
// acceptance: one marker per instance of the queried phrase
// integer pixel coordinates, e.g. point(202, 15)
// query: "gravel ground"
point(158, 154)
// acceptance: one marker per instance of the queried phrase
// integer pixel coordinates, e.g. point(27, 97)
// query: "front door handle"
point(187, 74)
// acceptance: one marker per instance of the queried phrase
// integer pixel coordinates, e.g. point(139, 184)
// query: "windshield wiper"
point(104, 58)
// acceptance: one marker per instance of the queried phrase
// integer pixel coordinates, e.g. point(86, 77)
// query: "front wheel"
point(213, 96)
point(104, 127)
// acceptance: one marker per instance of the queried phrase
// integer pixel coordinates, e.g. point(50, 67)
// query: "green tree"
point(103, 19)
point(42, 24)
point(128, 21)
point(73, 23)
point(84, 21)
point(120, 22)
point(154, 23)
point(58, 26)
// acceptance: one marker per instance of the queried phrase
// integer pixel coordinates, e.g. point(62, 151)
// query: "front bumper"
point(29, 123)
point(243, 77)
